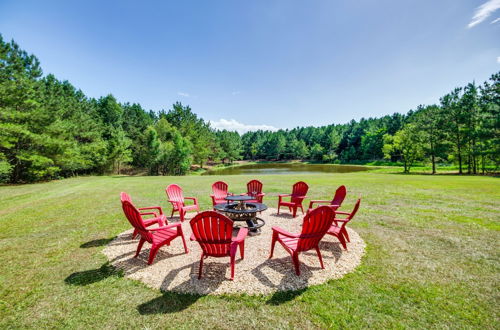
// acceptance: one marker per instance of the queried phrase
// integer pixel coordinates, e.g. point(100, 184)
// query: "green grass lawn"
point(432, 258)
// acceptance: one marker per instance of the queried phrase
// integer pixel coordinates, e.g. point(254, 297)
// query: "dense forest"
point(50, 129)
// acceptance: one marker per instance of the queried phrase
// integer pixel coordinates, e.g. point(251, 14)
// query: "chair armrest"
point(300, 198)
point(280, 196)
point(242, 233)
point(343, 222)
point(342, 212)
point(161, 220)
point(317, 202)
point(284, 232)
point(152, 208)
point(176, 204)
point(261, 194)
point(194, 199)
point(173, 225)
point(149, 213)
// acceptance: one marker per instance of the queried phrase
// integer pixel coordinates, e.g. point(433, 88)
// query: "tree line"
point(50, 129)
point(463, 129)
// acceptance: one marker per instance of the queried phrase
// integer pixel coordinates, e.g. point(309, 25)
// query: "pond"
point(287, 168)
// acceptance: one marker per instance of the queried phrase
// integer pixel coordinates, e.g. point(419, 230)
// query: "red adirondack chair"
point(254, 189)
point(315, 225)
point(157, 218)
point(340, 231)
point(176, 197)
point(156, 236)
point(213, 231)
point(299, 191)
point(336, 202)
point(219, 192)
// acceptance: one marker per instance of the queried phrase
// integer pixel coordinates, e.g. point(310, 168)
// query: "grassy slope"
point(432, 259)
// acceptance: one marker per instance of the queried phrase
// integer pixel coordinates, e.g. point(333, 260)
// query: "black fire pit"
point(237, 209)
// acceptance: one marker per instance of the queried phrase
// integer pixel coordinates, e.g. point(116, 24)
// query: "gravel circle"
point(173, 270)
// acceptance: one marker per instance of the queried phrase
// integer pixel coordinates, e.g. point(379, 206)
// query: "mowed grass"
point(432, 258)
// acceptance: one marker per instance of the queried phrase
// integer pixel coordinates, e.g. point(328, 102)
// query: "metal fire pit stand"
point(238, 209)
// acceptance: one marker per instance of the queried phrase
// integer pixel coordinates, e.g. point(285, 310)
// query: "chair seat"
point(164, 235)
point(190, 207)
point(290, 242)
point(334, 230)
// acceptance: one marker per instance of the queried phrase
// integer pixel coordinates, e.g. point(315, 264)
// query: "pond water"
point(284, 168)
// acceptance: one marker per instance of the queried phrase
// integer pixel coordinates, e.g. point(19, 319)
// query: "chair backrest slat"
point(355, 209)
point(316, 224)
point(339, 197)
point(219, 189)
point(125, 197)
point(254, 187)
point(174, 193)
point(213, 231)
point(299, 189)
point(134, 217)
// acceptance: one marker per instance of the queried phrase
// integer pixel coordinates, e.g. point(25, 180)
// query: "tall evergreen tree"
point(430, 121)
point(455, 118)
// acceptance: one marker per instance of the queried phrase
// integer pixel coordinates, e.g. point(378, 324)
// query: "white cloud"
point(183, 94)
point(495, 21)
point(483, 12)
point(233, 125)
point(236, 93)
point(498, 59)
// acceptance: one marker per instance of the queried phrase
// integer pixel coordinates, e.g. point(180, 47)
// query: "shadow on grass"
point(168, 302)
point(281, 297)
point(93, 275)
point(96, 243)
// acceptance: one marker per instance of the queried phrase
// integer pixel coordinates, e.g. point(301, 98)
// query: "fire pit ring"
point(237, 209)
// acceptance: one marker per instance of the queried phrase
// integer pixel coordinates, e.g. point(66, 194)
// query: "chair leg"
point(342, 241)
point(152, 253)
point(182, 213)
point(183, 240)
point(273, 243)
point(232, 257)
point(302, 209)
point(279, 205)
point(201, 265)
point(296, 263)
point(134, 234)
point(139, 246)
point(294, 212)
point(242, 250)
point(346, 235)
point(319, 256)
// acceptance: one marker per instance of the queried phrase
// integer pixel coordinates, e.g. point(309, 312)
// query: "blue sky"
point(277, 63)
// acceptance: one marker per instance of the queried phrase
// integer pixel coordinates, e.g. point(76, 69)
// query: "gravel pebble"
point(173, 270)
